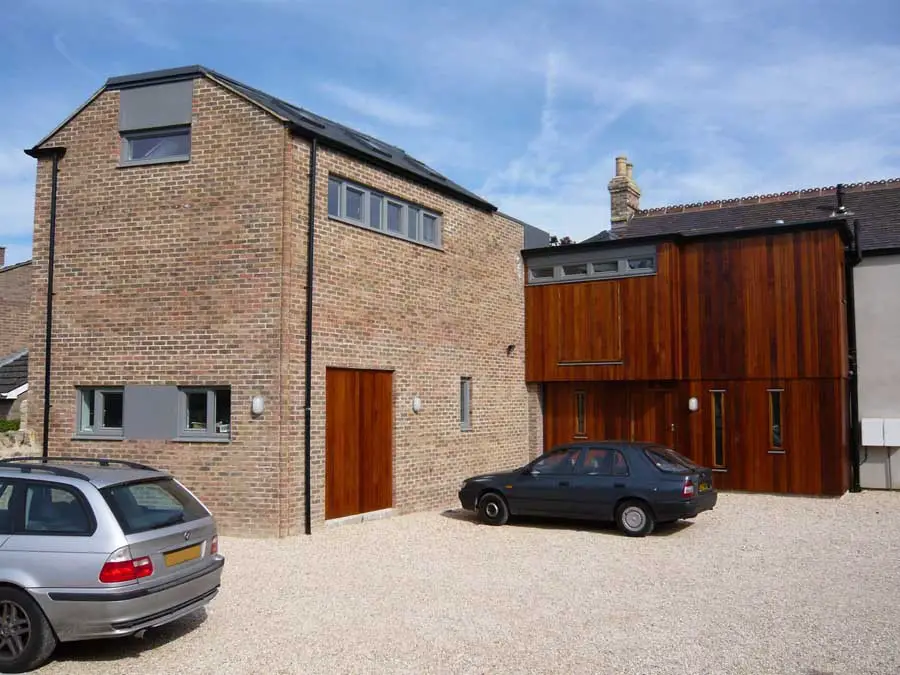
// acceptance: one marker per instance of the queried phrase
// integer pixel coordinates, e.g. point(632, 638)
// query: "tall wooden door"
point(358, 441)
point(652, 413)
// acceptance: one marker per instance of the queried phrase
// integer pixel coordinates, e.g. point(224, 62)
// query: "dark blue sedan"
point(636, 485)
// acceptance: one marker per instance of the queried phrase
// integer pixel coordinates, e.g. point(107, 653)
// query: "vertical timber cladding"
point(358, 441)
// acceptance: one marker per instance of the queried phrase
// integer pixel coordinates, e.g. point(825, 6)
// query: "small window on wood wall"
point(718, 424)
point(776, 439)
point(580, 421)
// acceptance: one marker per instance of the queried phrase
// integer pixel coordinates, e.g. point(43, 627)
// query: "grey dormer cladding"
point(155, 106)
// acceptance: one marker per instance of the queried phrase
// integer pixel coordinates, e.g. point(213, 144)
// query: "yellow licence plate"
point(182, 555)
point(704, 487)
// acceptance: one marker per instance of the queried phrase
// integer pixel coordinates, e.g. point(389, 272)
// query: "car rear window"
point(151, 505)
point(669, 461)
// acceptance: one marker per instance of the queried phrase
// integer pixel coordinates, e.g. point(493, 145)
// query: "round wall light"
point(257, 405)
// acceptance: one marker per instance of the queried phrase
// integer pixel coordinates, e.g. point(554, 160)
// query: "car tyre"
point(26, 639)
point(492, 509)
point(635, 519)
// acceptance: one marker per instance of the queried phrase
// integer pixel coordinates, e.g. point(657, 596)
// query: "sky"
point(525, 102)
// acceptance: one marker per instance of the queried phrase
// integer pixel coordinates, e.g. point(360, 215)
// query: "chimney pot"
point(624, 194)
point(628, 168)
point(621, 160)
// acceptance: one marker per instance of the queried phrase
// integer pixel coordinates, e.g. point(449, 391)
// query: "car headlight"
point(462, 486)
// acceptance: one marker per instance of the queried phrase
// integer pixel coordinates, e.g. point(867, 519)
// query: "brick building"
point(180, 321)
point(15, 296)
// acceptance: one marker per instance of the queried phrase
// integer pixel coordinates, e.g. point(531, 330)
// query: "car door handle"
point(618, 484)
point(563, 483)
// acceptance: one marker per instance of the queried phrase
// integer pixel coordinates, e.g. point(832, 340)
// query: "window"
point(580, 422)
point(669, 461)
point(144, 506)
point(641, 263)
point(605, 267)
point(465, 403)
point(159, 145)
point(206, 413)
point(775, 436)
point(579, 270)
point(100, 411)
point(569, 266)
point(555, 462)
point(596, 462)
point(718, 422)
point(6, 508)
point(359, 205)
point(55, 509)
point(540, 272)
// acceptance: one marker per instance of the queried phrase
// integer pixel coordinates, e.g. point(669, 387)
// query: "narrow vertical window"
point(580, 422)
point(718, 422)
point(775, 436)
point(465, 403)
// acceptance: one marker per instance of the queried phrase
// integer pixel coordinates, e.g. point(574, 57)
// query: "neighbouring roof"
point(875, 204)
point(13, 371)
point(309, 124)
point(15, 266)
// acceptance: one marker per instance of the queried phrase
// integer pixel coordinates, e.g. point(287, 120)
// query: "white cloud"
point(380, 108)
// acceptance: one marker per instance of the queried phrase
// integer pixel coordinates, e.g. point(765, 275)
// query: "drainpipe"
point(55, 154)
point(307, 385)
point(853, 258)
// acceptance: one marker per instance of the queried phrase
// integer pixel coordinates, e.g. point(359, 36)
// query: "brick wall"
point(15, 299)
point(195, 274)
point(172, 274)
point(431, 317)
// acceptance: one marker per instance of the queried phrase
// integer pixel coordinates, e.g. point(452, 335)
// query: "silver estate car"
point(96, 548)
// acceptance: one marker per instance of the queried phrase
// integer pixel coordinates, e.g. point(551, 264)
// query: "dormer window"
point(157, 145)
point(155, 123)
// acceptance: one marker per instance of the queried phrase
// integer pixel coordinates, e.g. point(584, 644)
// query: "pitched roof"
point(13, 371)
point(876, 204)
point(308, 124)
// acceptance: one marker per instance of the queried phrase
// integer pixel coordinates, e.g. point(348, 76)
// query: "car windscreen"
point(668, 460)
point(151, 505)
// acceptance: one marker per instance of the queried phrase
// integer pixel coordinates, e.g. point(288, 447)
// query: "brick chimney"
point(624, 195)
point(2, 256)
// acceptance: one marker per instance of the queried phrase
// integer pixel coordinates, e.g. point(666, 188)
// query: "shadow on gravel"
point(661, 530)
point(120, 649)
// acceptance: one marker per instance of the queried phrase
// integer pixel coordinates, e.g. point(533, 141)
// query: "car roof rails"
point(25, 467)
point(102, 461)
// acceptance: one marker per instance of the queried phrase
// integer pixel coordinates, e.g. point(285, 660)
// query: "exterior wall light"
point(417, 404)
point(257, 405)
point(693, 404)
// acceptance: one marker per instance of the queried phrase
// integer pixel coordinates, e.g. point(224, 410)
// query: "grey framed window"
point(359, 205)
point(465, 403)
point(205, 412)
point(156, 146)
point(100, 411)
point(573, 266)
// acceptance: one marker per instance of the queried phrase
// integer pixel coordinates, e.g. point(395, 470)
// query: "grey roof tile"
point(13, 372)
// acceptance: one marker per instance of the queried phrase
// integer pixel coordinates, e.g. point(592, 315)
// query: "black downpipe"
point(55, 154)
point(854, 257)
point(307, 385)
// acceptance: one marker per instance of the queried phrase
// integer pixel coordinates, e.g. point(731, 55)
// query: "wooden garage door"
point(358, 441)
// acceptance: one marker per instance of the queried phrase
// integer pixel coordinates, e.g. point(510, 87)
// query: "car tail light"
point(120, 566)
point(688, 490)
point(214, 545)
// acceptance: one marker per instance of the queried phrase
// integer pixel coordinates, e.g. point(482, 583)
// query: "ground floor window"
point(206, 411)
point(775, 415)
point(100, 411)
point(718, 424)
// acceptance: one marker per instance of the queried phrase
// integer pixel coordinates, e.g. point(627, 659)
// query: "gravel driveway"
point(763, 585)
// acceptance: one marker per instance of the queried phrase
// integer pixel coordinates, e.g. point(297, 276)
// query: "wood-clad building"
point(731, 347)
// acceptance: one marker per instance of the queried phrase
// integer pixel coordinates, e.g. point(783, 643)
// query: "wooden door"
point(358, 441)
point(652, 415)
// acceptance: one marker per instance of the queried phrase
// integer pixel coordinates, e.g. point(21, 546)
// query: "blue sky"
point(526, 102)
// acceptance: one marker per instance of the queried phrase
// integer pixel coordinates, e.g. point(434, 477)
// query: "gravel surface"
point(763, 585)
